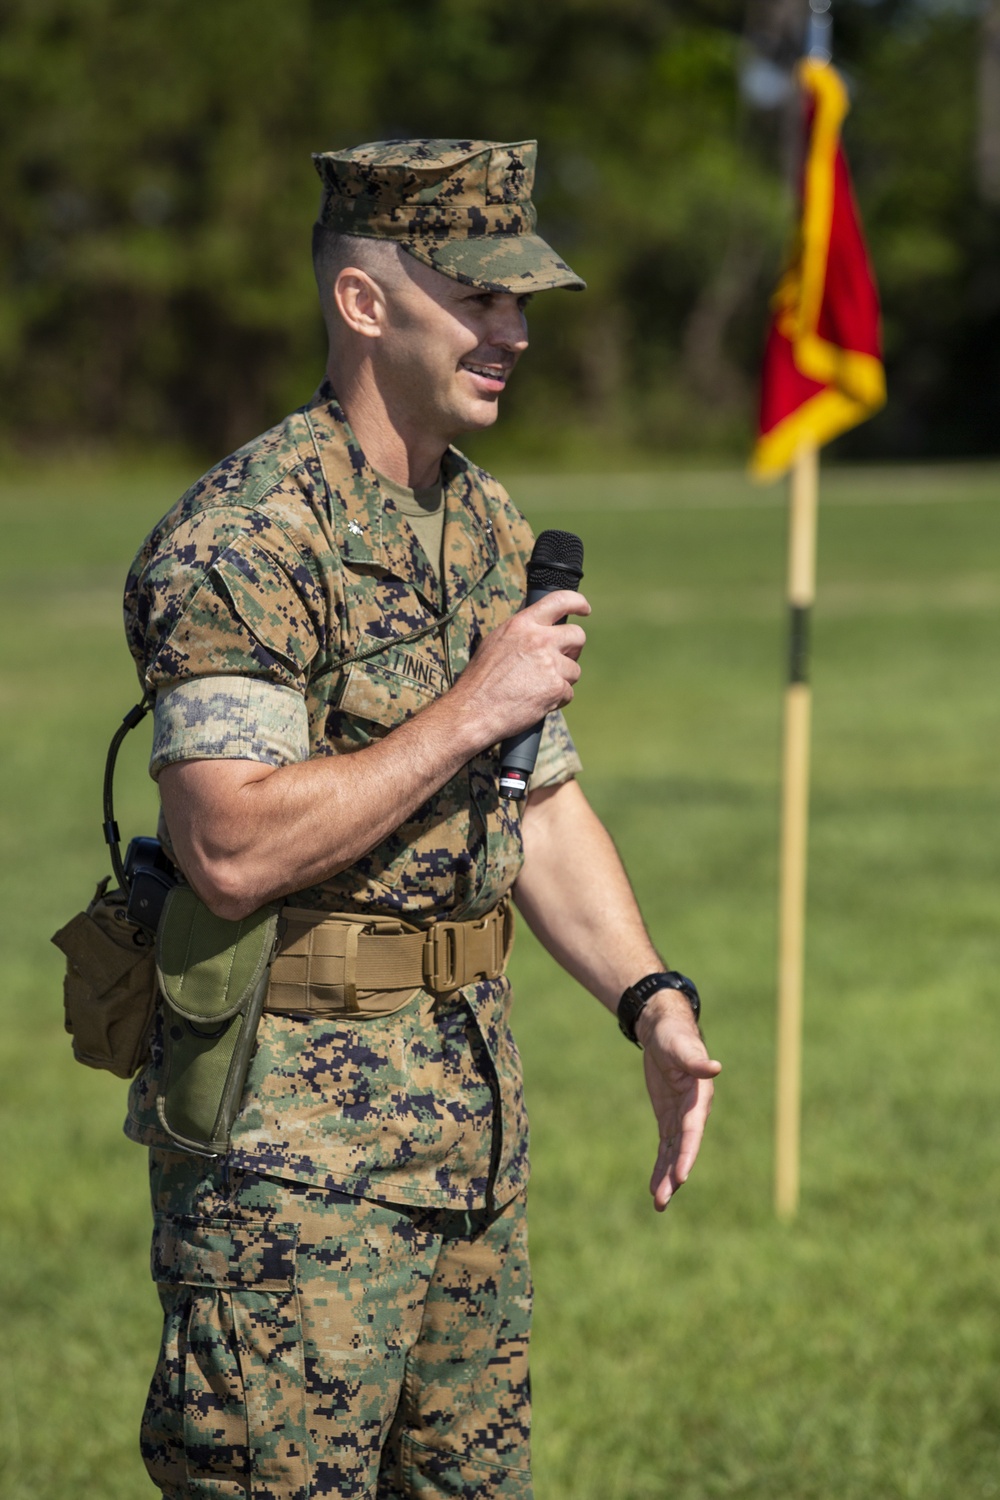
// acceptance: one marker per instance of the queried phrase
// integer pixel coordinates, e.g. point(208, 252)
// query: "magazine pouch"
point(109, 992)
point(213, 976)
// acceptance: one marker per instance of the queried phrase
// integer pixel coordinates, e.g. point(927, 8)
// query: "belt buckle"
point(444, 958)
point(496, 927)
point(493, 926)
point(502, 918)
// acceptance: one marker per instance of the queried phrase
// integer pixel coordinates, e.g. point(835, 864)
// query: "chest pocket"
point(374, 700)
point(379, 695)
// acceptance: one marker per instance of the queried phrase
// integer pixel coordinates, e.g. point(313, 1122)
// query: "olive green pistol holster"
point(213, 975)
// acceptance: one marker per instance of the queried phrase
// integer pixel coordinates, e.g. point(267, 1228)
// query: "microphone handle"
point(519, 753)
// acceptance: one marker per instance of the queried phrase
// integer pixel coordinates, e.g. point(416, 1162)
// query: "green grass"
point(710, 1352)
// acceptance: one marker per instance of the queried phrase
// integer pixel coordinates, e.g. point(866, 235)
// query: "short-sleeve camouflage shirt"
point(284, 608)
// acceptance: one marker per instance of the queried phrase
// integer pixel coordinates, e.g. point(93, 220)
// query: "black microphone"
point(556, 563)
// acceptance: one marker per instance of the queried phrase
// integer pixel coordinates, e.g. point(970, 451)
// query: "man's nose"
point(510, 328)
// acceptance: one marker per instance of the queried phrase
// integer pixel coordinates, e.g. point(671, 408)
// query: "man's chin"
point(487, 408)
point(476, 416)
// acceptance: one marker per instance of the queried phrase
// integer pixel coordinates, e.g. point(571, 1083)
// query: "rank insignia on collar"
point(355, 528)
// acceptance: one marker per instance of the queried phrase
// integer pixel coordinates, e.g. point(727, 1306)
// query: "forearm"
point(576, 898)
point(575, 895)
point(247, 833)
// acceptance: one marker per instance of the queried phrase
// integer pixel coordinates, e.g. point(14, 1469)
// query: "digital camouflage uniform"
point(346, 1294)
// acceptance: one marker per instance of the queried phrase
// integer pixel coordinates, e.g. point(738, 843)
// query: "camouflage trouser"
point(318, 1344)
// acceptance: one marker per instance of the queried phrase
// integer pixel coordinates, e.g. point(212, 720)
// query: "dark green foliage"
point(937, 247)
point(158, 195)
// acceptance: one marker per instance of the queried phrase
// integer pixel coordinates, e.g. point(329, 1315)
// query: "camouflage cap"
point(462, 207)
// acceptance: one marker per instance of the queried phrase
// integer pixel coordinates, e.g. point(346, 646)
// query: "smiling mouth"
point(496, 373)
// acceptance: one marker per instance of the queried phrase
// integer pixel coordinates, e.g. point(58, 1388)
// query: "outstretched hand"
point(679, 1074)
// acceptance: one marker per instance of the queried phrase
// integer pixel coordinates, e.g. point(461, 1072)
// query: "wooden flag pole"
point(803, 496)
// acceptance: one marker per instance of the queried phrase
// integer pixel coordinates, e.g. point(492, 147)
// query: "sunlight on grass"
point(709, 1352)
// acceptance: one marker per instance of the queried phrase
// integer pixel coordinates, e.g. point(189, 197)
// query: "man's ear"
point(360, 302)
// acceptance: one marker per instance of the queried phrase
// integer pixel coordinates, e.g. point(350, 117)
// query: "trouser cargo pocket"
point(429, 1473)
point(226, 1414)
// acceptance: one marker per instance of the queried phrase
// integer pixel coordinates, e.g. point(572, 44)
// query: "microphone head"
point(556, 561)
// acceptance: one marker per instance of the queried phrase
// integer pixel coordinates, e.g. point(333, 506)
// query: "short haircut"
point(332, 251)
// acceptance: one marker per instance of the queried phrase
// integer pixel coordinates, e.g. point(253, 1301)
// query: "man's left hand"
point(679, 1074)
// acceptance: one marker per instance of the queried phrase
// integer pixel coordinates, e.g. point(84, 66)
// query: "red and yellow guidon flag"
point(822, 369)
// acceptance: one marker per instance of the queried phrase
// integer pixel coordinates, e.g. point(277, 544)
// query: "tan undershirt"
point(424, 509)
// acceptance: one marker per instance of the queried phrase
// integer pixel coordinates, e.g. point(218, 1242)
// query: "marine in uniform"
point(330, 621)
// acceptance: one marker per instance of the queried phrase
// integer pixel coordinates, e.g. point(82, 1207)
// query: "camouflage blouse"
point(284, 608)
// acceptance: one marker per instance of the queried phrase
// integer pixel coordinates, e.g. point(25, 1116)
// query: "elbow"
point(214, 826)
point(226, 889)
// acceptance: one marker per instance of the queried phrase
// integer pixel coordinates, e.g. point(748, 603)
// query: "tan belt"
point(333, 964)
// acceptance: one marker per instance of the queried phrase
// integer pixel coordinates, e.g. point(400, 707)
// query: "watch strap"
point(635, 999)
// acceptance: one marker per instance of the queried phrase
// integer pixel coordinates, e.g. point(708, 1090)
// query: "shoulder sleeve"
point(226, 593)
point(558, 760)
point(229, 718)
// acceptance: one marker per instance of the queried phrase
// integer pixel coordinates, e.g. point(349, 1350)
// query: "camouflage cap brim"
point(517, 263)
point(462, 207)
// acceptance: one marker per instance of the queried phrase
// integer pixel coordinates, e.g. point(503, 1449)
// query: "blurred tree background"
point(158, 195)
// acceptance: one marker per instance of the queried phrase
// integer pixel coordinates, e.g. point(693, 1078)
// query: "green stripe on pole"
point(798, 642)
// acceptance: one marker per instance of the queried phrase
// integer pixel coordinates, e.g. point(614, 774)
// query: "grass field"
point(711, 1352)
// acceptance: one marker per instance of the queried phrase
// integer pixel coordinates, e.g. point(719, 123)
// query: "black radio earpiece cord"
point(112, 837)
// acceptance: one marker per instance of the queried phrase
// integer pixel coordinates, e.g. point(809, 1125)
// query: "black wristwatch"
point(635, 999)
